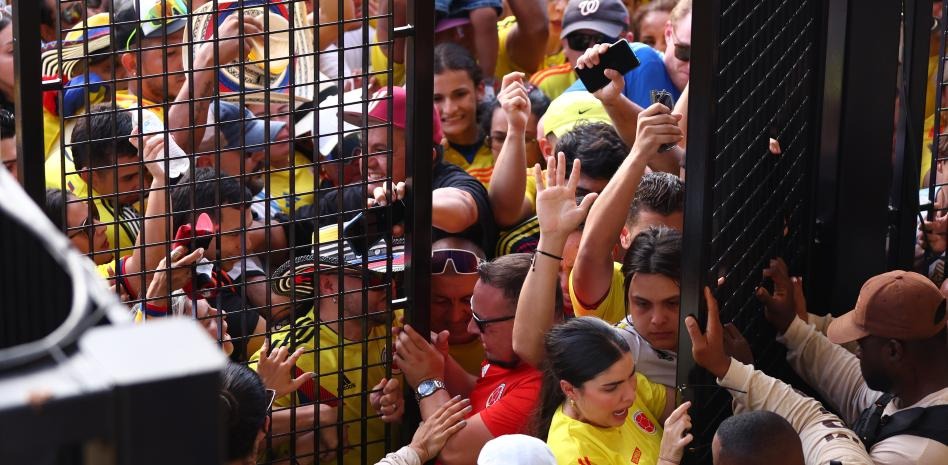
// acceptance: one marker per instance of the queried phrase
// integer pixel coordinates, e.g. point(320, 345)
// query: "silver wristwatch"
point(427, 388)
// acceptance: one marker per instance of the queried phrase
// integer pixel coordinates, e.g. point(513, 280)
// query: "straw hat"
point(80, 42)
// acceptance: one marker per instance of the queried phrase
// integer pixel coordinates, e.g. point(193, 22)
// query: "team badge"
point(643, 422)
point(496, 395)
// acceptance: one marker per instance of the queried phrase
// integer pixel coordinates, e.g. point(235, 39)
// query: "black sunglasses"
point(482, 324)
point(580, 41)
point(682, 50)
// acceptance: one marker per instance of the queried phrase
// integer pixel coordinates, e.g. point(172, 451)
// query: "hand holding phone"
point(665, 98)
point(618, 57)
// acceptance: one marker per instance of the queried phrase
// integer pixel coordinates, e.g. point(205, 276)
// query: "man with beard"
point(505, 394)
point(893, 391)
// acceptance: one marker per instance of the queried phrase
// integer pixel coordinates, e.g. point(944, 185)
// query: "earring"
point(572, 403)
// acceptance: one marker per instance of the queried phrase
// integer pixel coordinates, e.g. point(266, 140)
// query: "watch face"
point(426, 388)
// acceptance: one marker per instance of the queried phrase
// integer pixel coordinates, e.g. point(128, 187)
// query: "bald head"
point(754, 438)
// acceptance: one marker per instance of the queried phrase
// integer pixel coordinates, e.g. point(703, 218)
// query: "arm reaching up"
point(508, 182)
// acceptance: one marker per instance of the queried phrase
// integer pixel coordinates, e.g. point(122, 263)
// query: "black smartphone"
point(619, 57)
point(369, 226)
point(665, 98)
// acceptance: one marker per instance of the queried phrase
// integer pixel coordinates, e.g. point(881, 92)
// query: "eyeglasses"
point(155, 17)
point(87, 226)
point(271, 393)
point(482, 324)
point(463, 261)
point(682, 50)
point(580, 41)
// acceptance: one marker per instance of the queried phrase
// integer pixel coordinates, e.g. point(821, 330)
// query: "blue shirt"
point(649, 75)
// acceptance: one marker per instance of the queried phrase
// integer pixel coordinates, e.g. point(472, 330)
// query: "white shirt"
point(657, 365)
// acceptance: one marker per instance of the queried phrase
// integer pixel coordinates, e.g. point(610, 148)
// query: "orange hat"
point(898, 305)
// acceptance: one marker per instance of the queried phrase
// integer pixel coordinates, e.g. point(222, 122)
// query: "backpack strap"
point(868, 424)
point(926, 422)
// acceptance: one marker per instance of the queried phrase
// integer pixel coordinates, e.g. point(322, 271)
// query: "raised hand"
point(656, 126)
point(708, 348)
point(780, 309)
point(179, 274)
point(557, 211)
point(676, 436)
point(434, 432)
point(418, 359)
point(515, 102)
point(275, 369)
point(612, 91)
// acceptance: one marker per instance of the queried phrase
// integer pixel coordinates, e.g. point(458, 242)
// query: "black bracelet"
point(549, 255)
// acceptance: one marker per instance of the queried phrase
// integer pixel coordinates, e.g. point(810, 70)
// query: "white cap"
point(516, 449)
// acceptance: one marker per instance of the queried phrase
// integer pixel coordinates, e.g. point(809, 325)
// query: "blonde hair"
point(682, 9)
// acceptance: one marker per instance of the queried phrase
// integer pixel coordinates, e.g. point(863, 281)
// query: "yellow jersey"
point(124, 220)
point(481, 167)
point(505, 64)
point(553, 81)
point(379, 63)
point(637, 441)
point(304, 184)
point(340, 377)
point(612, 308)
point(470, 356)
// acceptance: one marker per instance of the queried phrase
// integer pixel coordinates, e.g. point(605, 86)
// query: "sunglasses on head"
point(580, 41)
point(463, 261)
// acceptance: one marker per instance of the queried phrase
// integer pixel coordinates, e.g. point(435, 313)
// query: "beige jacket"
point(404, 456)
point(824, 436)
point(835, 374)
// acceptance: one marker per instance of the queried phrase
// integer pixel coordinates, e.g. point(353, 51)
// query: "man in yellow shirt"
point(343, 328)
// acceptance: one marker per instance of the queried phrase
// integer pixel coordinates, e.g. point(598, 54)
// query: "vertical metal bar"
point(909, 136)
point(28, 95)
point(419, 69)
point(697, 226)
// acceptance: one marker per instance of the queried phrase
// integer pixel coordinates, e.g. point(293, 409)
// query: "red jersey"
point(505, 398)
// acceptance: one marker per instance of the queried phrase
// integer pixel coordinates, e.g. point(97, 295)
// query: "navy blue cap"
point(232, 122)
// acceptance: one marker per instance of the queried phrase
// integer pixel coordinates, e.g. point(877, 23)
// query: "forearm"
point(456, 379)
point(283, 421)
point(527, 43)
point(328, 15)
point(400, 16)
point(453, 210)
point(154, 238)
point(593, 269)
point(681, 108)
point(625, 117)
point(508, 182)
point(535, 309)
point(187, 126)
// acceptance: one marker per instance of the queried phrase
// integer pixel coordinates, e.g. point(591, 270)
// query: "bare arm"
point(526, 43)
point(508, 182)
point(453, 210)
point(329, 13)
point(558, 216)
point(400, 15)
point(156, 222)
point(592, 274)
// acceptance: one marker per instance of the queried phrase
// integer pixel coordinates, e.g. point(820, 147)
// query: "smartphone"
point(370, 226)
point(203, 231)
point(619, 57)
point(665, 98)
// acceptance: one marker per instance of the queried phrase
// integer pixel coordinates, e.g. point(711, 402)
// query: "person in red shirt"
point(504, 396)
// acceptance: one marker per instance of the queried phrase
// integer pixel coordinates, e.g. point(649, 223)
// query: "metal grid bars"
point(235, 161)
point(749, 172)
point(934, 157)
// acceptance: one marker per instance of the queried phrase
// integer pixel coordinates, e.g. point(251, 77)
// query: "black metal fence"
point(755, 78)
point(148, 147)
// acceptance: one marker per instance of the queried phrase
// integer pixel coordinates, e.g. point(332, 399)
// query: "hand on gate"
point(780, 308)
point(418, 359)
point(657, 126)
point(434, 432)
point(387, 399)
point(708, 348)
point(676, 436)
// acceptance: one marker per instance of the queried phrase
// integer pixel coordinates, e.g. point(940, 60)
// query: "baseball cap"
point(378, 111)
point(898, 304)
point(232, 122)
point(516, 449)
point(154, 18)
point(609, 17)
point(571, 109)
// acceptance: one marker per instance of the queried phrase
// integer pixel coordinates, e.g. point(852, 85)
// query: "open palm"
point(557, 211)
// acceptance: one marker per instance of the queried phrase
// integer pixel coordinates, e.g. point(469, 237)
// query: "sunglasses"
point(482, 323)
point(153, 19)
point(463, 261)
point(580, 41)
point(682, 50)
point(87, 226)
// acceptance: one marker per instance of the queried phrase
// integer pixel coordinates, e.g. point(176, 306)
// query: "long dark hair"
point(577, 351)
point(244, 408)
point(657, 250)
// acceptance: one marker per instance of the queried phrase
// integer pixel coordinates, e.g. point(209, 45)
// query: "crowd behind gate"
point(223, 161)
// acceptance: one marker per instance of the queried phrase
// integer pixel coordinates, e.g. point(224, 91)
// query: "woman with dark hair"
point(244, 405)
point(458, 89)
point(493, 123)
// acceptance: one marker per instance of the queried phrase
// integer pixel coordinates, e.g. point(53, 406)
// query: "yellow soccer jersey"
point(341, 378)
point(555, 80)
point(504, 63)
point(303, 186)
point(612, 308)
point(481, 167)
point(379, 62)
point(126, 220)
point(637, 441)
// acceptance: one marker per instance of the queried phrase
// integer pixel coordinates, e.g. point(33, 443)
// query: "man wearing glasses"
point(454, 263)
point(503, 397)
point(594, 22)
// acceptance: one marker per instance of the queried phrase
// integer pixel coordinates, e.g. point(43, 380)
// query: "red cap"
point(898, 305)
point(378, 111)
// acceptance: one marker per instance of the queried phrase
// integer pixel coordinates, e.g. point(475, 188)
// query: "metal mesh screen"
point(238, 127)
point(752, 204)
point(938, 154)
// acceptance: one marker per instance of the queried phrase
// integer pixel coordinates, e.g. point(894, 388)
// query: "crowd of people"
point(244, 163)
